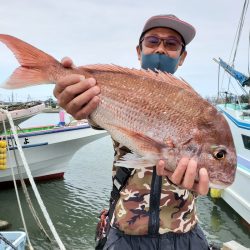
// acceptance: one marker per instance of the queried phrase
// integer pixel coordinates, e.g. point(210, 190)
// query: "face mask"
point(160, 62)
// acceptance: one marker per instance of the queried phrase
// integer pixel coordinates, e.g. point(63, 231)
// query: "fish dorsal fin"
point(157, 76)
point(175, 81)
point(188, 85)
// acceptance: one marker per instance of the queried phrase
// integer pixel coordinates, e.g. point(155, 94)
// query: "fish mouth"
point(221, 180)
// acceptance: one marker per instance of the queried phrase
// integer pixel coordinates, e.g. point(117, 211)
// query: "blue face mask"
point(160, 62)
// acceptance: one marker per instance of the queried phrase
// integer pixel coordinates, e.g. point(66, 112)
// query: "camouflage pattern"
point(131, 215)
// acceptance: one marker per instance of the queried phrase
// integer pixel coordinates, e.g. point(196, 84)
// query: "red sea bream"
point(143, 110)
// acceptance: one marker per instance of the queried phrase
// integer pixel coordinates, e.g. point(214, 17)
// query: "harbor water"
point(75, 202)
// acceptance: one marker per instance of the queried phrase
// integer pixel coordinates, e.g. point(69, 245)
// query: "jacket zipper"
point(154, 204)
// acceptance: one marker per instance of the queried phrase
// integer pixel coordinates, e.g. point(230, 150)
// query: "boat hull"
point(17, 238)
point(237, 195)
point(48, 152)
point(20, 115)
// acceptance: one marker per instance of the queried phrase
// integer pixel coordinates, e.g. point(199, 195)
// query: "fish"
point(144, 111)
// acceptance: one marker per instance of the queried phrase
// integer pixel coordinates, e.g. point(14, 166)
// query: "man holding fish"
point(155, 208)
point(170, 144)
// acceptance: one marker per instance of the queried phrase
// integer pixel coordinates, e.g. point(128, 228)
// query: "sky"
point(107, 31)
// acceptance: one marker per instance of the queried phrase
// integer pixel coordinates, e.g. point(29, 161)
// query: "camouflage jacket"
point(150, 204)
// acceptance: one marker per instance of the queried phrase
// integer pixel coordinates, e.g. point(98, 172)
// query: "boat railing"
point(237, 103)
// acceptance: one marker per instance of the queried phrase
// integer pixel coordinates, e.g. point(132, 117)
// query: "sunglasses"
point(170, 43)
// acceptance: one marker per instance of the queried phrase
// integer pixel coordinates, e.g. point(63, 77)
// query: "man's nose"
point(161, 49)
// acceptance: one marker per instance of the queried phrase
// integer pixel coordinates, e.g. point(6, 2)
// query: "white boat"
point(238, 195)
point(47, 149)
point(236, 109)
point(16, 239)
point(20, 112)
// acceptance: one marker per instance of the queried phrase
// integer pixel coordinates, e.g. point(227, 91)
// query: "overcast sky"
point(107, 31)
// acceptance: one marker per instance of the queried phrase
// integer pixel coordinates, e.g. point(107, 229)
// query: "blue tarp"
point(243, 79)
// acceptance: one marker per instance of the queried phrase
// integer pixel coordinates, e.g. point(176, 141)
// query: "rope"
point(16, 190)
point(236, 42)
point(38, 197)
point(27, 196)
point(218, 83)
point(241, 23)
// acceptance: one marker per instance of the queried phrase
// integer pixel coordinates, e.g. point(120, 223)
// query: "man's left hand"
point(184, 175)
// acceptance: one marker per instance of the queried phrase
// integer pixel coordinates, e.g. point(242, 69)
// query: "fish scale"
point(142, 110)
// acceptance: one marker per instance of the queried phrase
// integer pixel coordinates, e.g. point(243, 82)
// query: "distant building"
point(50, 103)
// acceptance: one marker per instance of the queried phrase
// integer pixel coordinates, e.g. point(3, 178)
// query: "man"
point(154, 209)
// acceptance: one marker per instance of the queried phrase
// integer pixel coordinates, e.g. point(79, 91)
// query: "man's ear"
point(138, 52)
point(182, 59)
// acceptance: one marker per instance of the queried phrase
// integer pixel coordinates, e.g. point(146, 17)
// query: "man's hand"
point(76, 94)
point(184, 175)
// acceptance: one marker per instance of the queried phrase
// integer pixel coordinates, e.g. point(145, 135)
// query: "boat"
point(47, 149)
point(20, 112)
point(12, 240)
point(236, 109)
point(237, 195)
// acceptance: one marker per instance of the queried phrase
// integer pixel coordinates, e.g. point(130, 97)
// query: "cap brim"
point(186, 30)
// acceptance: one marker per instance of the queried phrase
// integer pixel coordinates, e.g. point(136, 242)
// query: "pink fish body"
point(143, 110)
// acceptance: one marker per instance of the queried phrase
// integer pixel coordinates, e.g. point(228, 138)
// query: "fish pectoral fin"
point(142, 139)
point(154, 143)
point(133, 160)
point(152, 150)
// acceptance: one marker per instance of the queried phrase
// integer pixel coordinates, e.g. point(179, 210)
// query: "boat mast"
point(241, 79)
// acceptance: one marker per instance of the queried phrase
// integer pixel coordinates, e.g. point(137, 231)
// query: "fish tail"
point(36, 67)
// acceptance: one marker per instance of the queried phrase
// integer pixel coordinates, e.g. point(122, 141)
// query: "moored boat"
point(47, 149)
point(20, 112)
point(12, 240)
point(237, 195)
point(236, 109)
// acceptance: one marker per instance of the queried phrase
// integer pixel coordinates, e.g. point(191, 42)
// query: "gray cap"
point(186, 30)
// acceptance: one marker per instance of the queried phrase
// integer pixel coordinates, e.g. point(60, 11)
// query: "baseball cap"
point(186, 30)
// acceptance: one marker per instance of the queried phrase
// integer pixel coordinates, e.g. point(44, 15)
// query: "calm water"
point(74, 203)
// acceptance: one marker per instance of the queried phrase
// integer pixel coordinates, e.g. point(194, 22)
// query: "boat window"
point(246, 141)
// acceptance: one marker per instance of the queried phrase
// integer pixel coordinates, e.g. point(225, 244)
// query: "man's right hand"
point(76, 94)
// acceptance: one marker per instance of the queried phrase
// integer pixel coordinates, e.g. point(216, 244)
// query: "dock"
point(51, 110)
point(233, 245)
point(4, 224)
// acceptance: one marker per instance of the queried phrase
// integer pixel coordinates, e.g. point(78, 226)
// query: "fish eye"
point(220, 154)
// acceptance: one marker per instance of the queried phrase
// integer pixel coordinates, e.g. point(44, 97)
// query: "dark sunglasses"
point(169, 43)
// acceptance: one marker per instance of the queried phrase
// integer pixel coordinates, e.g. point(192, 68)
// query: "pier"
point(233, 245)
point(4, 224)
